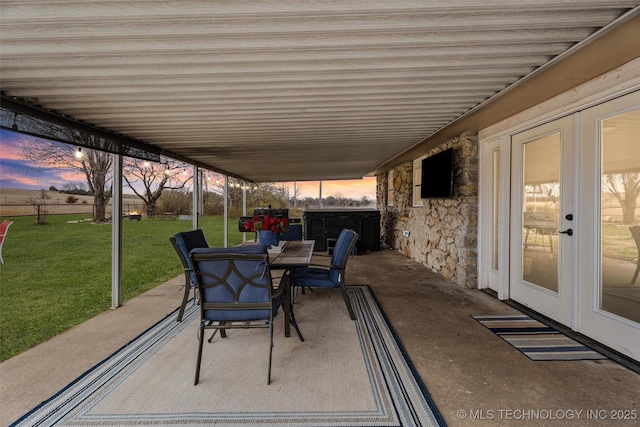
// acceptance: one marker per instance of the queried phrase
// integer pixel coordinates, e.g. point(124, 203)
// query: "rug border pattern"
point(406, 401)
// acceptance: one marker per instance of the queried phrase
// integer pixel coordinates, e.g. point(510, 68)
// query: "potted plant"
point(268, 228)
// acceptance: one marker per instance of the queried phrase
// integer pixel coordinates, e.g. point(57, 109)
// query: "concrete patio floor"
point(474, 377)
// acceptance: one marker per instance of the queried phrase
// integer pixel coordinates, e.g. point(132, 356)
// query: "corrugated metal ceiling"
point(283, 90)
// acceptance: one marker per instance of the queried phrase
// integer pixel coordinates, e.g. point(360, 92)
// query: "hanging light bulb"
point(79, 153)
point(146, 163)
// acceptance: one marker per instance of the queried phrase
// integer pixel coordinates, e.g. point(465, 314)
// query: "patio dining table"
point(287, 256)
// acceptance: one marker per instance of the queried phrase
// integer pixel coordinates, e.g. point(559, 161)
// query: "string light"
point(79, 153)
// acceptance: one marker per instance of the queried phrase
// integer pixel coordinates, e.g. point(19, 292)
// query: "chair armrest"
point(320, 265)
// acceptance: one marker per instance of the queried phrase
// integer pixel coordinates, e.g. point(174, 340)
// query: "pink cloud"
point(10, 152)
point(71, 176)
point(352, 189)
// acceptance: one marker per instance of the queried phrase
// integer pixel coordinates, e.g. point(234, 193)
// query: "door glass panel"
point(620, 216)
point(541, 196)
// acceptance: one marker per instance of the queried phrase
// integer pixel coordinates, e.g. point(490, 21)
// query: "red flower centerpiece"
point(268, 228)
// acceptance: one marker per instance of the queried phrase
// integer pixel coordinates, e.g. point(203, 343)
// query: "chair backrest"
point(184, 243)
point(246, 249)
point(4, 227)
point(344, 247)
point(294, 232)
point(234, 284)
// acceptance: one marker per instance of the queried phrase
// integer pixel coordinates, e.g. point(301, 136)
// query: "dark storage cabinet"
point(323, 224)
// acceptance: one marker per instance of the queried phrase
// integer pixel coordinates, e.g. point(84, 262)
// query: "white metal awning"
point(295, 90)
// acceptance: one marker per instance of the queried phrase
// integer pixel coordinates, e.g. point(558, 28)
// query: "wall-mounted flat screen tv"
point(437, 176)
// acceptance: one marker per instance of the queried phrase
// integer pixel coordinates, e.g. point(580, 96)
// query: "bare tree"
point(155, 178)
point(40, 208)
point(293, 198)
point(94, 164)
point(625, 187)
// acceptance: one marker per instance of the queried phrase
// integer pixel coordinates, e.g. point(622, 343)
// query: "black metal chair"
point(236, 291)
point(184, 243)
point(332, 276)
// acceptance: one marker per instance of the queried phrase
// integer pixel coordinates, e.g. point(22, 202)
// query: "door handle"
point(568, 232)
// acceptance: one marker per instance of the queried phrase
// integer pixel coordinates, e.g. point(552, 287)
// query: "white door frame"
point(614, 331)
point(489, 277)
point(556, 305)
point(615, 84)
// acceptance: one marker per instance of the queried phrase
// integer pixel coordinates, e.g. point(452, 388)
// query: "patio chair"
point(332, 276)
point(294, 232)
point(4, 228)
point(184, 243)
point(235, 288)
point(635, 232)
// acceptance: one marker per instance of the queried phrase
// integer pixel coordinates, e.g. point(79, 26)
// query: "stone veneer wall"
point(443, 233)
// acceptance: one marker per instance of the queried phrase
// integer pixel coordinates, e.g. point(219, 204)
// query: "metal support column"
point(244, 206)
point(196, 197)
point(116, 233)
point(226, 211)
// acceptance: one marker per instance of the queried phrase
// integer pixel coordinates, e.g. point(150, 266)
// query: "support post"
point(196, 198)
point(226, 211)
point(116, 233)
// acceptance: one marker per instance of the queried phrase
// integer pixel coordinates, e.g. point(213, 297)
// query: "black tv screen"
point(437, 176)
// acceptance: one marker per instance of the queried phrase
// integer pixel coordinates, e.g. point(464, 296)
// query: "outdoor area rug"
point(345, 373)
point(535, 339)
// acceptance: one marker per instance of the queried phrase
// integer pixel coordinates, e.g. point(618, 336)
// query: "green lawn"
point(618, 243)
point(58, 275)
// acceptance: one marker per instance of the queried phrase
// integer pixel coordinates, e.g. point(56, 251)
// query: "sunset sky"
point(18, 173)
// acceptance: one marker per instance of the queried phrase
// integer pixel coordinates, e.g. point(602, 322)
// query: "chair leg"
point(223, 331)
point(201, 338)
point(347, 301)
point(292, 318)
point(270, 351)
point(306, 287)
point(185, 298)
point(635, 276)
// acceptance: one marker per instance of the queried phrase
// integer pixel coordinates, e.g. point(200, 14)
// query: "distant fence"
point(31, 209)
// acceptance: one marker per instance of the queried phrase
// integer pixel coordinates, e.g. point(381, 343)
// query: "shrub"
point(71, 199)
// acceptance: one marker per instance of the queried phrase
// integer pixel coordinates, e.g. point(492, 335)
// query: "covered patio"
point(464, 366)
point(284, 91)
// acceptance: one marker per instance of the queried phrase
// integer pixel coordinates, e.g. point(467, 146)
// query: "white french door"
point(542, 219)
point(609, 205)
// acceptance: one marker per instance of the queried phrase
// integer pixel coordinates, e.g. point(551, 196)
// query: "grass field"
point(58, 275)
